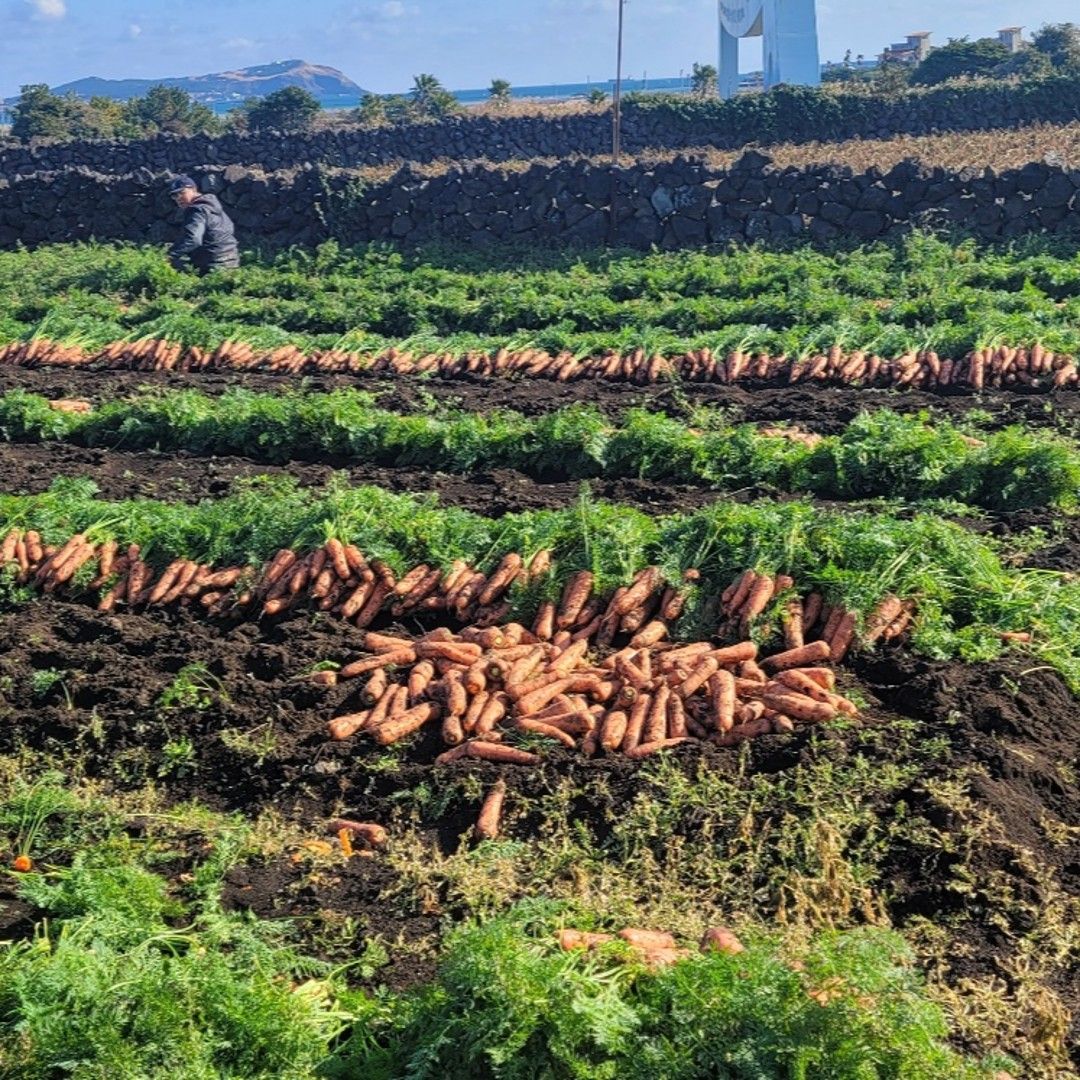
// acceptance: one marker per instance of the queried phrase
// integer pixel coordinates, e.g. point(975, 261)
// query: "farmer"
point(209, 240)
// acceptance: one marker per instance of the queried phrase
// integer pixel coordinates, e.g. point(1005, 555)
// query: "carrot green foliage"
point(964, 590)
point(879, 454)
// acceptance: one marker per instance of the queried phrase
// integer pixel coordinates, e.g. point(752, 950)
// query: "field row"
point(879, 454)
point(919, 294)
point(967, 600)
point(1033, 368)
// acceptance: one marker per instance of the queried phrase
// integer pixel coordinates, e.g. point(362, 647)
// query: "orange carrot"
point(793, 658)
point(401, 658)
point(324, 678)
point(501, 580)
point(721, 939)
point(487, 824)
point(376, 686)
point(420, 679)
point(656, 721)
point(509, 755)
point(635, 724)
point(343, 727)
point(800, 707)
point(575, 596)
point(757, 600)
point(398, 727)
point(885, 613)
point(701, 674)
point(842, 637)
point(735, 654)
point(495, 709)
point(723, 700)
point(647, 939)
point(373, 834)
point(538, 727)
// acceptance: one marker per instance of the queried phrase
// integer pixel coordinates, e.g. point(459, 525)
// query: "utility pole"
point(616, 133)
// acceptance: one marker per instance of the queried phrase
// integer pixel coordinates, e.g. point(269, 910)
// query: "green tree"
point(430, 98)
point(499, 92)
point(168, 108)
point(704, 81)
point(1028, 63)
point(960, 57)
point(1060, 42)
point(290, 109)
point(41, 114)
point(596, 96)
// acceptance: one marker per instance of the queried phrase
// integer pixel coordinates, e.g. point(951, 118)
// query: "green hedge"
point(803, 114)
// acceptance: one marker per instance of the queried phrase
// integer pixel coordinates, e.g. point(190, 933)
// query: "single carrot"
point(757, 599)
point(613, 729)
point(735, 654)
point(402, 658)
point(501, 580)
point(487, 824)
point(842, 637)
point(335, 550)
point(420, 679)
point(635, 724)
point(323, 678)
point(453, 730)
point(343, 727)
point(643, 584)
point(649, 635)
point(495, 710)
point(376, 686)
point(721, 939)
point(574, 597)
point(509, 755)
point(698, 677)
point(809, 654)
point(885, 613)
point(800, 707)
point(538, 727)
point(398, 727)
point(544, 626)
point(647, 939)
point(722, 686)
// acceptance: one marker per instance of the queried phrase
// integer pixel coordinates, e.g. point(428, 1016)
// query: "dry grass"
point(999, 150)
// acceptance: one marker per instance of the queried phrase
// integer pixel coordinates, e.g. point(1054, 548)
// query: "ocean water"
point(549, 92)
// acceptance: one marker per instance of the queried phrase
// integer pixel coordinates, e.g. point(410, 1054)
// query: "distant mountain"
point(326, 83)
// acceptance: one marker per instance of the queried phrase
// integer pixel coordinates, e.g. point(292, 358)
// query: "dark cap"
point(180, 183)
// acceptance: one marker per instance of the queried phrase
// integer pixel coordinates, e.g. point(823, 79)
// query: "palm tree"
point(499, 94)
point(430, 97)
point(704, 80)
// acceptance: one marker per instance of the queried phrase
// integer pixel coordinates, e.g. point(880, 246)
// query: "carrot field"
point(427, 664)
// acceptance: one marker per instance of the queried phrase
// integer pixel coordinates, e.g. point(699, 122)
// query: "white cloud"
point(393, 9)
point(49, 9)
point(240, 43)
point(134, 30)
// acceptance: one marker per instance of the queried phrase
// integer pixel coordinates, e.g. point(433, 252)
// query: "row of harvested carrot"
point(999, 366)
point(486, 682)
point(339, 579)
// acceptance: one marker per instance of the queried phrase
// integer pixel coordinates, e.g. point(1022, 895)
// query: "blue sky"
point(382, 43)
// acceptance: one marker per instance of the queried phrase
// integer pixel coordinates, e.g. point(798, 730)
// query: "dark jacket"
point(208, 240)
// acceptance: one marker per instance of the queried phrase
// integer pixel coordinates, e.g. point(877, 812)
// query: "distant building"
point(1012, 37)
point(913, 51)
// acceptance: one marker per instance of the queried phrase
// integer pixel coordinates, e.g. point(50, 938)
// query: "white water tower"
point(789, 29)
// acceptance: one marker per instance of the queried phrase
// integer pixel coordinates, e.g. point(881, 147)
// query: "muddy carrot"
point(613, 729)
point(474, 710)
point(544, 626)
point(722, 686)
point(701, 674)
point(656, 721)
point(885, 613)
point(842, 637)
point(374, 603)
point(644, 750)
point(810, 654)
point(453, 730)
point(335, 550)
point(635, 724)
point(538, 727)
point(495, 710)
point(343, 727)
point(398, 727)
point(487, 824)
point(501, 580)
point(381, 643)
point(369, 832)
point(458, 652)
point(735, 595)
point(323, 678)
point(757, 599)
point(575, 596)
point(800, 707)
point(792, 622)
point(735, 654)
point(676, 717)
point(569, 658)
point(537, 699)
point(401, 658)
point(376, 686)
point(648, 635)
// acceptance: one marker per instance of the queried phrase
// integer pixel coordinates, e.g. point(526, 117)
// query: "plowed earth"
point(1011, 731)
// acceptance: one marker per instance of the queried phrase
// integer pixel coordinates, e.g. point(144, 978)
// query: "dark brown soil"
point(822, 409)
point(29, 468)
point(1015, 726)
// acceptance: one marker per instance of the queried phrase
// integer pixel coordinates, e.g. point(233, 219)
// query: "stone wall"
point(679, 203)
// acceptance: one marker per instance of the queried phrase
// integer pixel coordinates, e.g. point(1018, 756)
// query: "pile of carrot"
point(649, 696)
point(338, 578)
point(989, 367)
